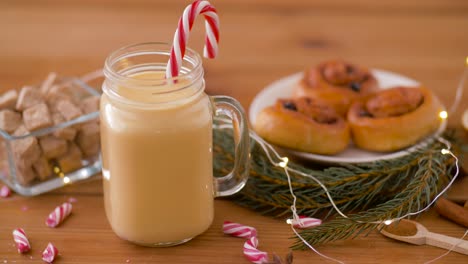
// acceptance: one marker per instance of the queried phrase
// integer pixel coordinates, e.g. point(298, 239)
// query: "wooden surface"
point(260, 41)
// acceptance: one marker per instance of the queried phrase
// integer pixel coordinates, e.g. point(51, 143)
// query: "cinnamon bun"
point(303, 124)
point(394, 119)
point(338, 83)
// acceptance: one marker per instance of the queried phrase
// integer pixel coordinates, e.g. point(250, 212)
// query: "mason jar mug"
point(156, 136)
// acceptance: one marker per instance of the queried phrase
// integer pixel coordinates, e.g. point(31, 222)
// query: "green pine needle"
point(366, 192)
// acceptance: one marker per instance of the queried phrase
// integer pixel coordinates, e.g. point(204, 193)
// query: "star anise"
point(278, 260)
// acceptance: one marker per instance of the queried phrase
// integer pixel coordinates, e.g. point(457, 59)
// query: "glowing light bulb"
point(443, 114)
point(66, 180)
point(388, 222)
point(445, 151)
point(284, 163)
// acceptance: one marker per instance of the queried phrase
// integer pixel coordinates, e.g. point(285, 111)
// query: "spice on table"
point(402, 228)
point(452, 211)
point(278, 260)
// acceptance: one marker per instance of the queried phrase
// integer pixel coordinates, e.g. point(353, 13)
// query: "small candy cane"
point(182, 34)
point(50, 253)
point(5, 191)
point(21, 241)
point(304, 222)
point(238, 230)
point(59, 214)
point(252, 253)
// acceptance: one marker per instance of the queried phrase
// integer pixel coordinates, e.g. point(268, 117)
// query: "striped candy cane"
point(181, 35)
point(5, 191)
point(59, 214)
point(238, 230)
point(252, 253)
point(50, 253)
point(21, 241)
point(304, 222)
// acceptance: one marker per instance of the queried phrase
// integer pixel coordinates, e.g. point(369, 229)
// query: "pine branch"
point(381, 190)
point(418, 194)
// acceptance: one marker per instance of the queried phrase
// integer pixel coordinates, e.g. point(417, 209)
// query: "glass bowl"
point(68, 151)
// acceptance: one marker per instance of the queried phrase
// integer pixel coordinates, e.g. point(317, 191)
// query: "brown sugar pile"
point(402, 228)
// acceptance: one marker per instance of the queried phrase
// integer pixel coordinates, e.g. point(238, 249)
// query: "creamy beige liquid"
point(157, 165)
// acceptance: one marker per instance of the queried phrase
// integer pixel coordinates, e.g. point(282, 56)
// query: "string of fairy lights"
point(282, 162)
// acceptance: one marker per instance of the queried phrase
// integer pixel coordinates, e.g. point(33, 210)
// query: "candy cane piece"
point(5, 191)
point(21, 241)
point(252, 253)
point(238, 230)
point(182, 33)
point(59, 214)
point(304, 222)
point(50, 253)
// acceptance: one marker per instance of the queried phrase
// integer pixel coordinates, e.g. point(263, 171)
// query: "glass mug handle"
point(236, 179)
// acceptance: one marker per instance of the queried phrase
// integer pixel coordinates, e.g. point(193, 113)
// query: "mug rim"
point(159, 48)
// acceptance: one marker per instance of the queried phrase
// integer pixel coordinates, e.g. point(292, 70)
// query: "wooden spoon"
point(419, 235)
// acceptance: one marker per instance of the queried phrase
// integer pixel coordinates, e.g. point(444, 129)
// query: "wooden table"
point(261, 41)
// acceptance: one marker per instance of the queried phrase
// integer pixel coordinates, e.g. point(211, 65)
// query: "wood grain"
point(261, 41)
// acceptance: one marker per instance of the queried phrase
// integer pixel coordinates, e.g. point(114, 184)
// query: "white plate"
point(283, 88)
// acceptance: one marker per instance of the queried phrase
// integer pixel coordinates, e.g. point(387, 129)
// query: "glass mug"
point(156, 136)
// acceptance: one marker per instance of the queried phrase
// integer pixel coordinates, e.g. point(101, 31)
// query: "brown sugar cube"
point(53, 147)
point(65, 88)
point(54, 98)
point(10, 120)
point(28, 96)
point(48, 82)
point(67, 133)
point(68, 109)
point(24, 173)
point(42, 168)
point(90, 104)
point(25, 149)
point(3, 154)
point(37, 117)
point(8, 100)
point(71, 160)
point(88, 139)
point(21, 131)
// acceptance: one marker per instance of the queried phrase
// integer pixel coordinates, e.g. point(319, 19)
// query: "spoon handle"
point(442, 241)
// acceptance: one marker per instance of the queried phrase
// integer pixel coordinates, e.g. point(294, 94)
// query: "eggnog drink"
point(162, 192)
point(156, 137)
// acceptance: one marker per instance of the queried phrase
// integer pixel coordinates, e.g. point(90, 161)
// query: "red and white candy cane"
point(238, 230)
point(182, 33)
point(50, 253)
point(5, 191)
point(252, 253)
point(21, 240)
point(304, 222)
point(59, 214)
